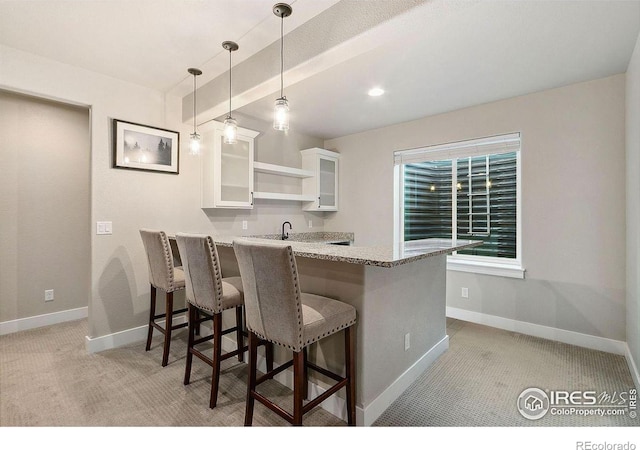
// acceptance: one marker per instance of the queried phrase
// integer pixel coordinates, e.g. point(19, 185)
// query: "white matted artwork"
point(142, 147)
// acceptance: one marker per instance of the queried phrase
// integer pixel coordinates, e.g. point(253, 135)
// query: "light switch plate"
point(104, 228)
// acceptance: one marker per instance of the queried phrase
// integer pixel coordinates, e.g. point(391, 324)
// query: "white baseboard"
point(373, 410)
point(28, 323)
point(541, 331)
point(633, 368)
point(125, 337)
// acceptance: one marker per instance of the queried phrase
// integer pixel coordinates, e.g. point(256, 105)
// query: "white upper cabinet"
point(227, 169)
point(323, 186)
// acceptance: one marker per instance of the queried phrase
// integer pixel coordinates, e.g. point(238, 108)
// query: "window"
point(464, 190)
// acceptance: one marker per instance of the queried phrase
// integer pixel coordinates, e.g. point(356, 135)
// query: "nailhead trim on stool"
point(276, 306)
point(209, 293)
point(162, 275)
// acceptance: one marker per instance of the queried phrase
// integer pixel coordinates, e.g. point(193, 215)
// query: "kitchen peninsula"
point(399, 294)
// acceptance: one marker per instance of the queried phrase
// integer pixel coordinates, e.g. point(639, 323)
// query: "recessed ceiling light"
point(376, 92)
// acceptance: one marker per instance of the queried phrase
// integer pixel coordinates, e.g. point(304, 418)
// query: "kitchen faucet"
point(286, 236)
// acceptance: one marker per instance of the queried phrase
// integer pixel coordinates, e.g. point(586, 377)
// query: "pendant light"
point(281, 109)
point(194, 141)
point(230, 124)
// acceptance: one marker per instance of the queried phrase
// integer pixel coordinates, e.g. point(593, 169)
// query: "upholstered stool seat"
point(208, 295)
point(324, 316)
point(163, 275)
point(231, 290)
point(278, 311)
point(178, 278)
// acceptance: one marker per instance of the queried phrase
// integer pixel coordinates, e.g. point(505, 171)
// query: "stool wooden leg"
point(298, 386)
point(196, 318)
point(305, 389)
point(217, 350)
point(251, 382)
point(168, 315)
point(239, 335)
point(193, 314)
point(152, 313)
point(269, 354)
point(350, 363)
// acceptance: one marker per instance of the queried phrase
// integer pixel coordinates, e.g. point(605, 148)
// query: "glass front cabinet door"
point(227, 169)
point(324, 185)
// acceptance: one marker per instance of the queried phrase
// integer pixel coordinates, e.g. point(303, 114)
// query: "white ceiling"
point(438, 56)
point(147, 42)
point(445, 59)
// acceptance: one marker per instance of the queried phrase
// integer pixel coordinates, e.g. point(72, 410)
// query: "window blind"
point(475, 147)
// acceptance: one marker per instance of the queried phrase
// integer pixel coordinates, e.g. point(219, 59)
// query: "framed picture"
point(141, 147)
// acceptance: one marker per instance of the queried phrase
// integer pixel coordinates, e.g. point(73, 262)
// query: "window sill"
point(485, 268)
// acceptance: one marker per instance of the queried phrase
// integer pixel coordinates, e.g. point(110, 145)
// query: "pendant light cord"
point(194, 103)
point(281, 54)
point(229, 82)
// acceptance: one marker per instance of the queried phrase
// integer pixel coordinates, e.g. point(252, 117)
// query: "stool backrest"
point(160, 259)
point(202, 274)
point(271, 292)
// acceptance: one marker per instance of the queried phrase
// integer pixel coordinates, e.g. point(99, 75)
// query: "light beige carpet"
point(478, 380)
point(47, 379)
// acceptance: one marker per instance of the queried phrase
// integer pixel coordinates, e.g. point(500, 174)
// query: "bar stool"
point(162, 275)
point(208, 295)
point(277, 311)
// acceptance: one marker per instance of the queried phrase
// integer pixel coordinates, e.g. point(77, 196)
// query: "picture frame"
point(143, 147)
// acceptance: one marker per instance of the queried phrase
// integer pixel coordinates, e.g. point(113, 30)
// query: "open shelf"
point(281, 170)
point(281, 196)
point(234, 156)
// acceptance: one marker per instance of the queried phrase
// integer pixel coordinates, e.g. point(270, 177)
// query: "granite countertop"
point(317, 246)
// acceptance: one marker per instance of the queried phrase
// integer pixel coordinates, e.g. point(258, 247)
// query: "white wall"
point(573, 209)
point(633, 205)
point(133, 199)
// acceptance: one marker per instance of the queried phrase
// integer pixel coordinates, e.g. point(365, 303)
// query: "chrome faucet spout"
point(286, 236)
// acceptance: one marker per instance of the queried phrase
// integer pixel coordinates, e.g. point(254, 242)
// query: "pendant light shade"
point(230, 124)
point(281, 114)
point(230, 130)
point(281, 109)
point(194, 144)
point(194, 141)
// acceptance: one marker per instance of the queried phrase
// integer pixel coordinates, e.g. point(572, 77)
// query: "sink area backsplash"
point(329, 237)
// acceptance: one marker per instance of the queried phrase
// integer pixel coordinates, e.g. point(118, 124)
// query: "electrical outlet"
point(407, 341)
point(245, 225)
point(465, 293)
point(48, 295)
point(310, 224)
